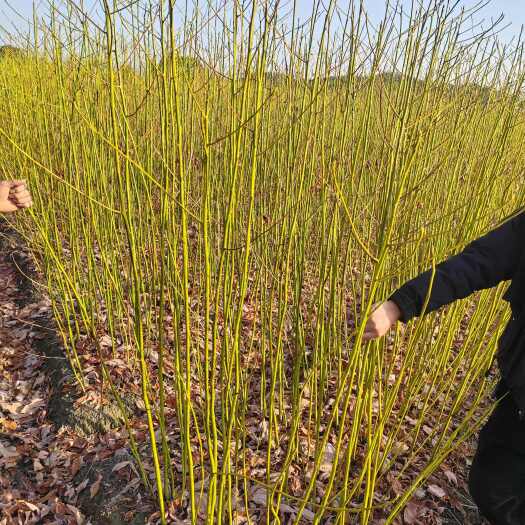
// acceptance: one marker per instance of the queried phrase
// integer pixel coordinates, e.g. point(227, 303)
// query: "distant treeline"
point(387, 78)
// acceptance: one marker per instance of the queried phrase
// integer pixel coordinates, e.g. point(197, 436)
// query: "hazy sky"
point(514, 11)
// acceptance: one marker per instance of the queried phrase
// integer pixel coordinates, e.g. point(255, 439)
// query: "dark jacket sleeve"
point(484, 263)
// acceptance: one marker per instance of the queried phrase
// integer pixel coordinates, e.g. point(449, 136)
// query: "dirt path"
point(37, 464)
point(49, 471)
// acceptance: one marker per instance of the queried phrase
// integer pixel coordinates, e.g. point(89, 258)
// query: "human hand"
point(14, 196)
point(381, 320)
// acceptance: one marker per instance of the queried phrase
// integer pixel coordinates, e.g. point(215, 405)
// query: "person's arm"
point(484, 263)
point(14, 196)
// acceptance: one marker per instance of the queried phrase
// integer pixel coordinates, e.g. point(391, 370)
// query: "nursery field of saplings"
point(223, 192)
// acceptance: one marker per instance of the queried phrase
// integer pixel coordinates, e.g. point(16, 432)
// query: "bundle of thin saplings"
point(223, 190)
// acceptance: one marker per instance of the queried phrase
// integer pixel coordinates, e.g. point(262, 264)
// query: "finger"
point(15, 190)
point(368, 336)
point(24, 202)
point(22, 194)
point(370, 326)
point(24, 197)
point(16, 186)
point(16, 183)
point(21, 200)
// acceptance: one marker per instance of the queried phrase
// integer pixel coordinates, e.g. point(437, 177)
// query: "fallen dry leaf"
point(437, 491)
point(120, 466)
point(8, 452)
point(33, 406)
point(93, 490)
point(451, 476)
point(328, 458)
point(411, 513)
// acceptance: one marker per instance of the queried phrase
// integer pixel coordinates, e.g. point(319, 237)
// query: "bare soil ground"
point(60, 459)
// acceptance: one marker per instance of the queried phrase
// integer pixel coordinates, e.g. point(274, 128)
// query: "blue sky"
point(514, 11)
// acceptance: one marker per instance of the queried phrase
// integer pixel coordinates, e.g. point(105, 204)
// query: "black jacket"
point(495, 257)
